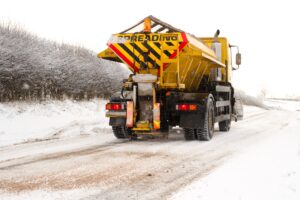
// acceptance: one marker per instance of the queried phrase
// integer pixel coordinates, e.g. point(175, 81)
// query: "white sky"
point(266, 31)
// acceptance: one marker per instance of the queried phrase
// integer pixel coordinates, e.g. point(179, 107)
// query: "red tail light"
point(115, 106)
point(183, 107)
point(186, 107)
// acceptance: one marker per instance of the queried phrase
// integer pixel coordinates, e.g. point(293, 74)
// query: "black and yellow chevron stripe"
point(134, 53)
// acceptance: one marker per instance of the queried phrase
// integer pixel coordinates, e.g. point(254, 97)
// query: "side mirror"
point(238, 56)
point(238, 59)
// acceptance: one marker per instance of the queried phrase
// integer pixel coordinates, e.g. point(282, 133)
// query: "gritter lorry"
point(177, 79)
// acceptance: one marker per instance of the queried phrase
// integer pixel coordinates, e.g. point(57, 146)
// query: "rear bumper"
point(116, 114)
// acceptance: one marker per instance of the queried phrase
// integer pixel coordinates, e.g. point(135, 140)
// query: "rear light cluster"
point(186, 107)
point(115, 106)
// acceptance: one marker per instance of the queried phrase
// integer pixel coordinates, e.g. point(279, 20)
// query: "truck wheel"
point(225, 125)
point(205, 133)
point(121, 132)
point(189, 134)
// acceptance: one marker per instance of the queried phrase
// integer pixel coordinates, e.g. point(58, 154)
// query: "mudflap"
point(191, 120)
point(117, 121)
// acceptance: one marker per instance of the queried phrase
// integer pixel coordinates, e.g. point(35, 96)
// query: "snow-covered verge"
point(290, 105)
point(269, 169)
point(31, 121)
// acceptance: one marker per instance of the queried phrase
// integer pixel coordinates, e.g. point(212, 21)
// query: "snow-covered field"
point(65, 150)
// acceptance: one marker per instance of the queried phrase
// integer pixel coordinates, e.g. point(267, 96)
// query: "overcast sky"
point(267, 32)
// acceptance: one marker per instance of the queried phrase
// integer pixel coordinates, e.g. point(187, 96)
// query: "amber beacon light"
point(147, 25)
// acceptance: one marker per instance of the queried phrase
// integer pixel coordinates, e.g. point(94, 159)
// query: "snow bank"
point(23, 121)
point(250, 100)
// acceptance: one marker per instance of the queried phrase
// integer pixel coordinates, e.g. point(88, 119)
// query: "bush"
point(32, 68)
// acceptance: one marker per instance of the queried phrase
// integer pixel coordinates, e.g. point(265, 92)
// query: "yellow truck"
point(177, 79)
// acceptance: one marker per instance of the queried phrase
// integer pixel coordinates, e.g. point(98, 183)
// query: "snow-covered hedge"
point(34, 68)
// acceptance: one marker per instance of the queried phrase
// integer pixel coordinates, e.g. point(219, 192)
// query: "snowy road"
point(102, 167)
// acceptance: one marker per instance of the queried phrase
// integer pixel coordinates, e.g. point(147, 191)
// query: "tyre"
point(206, 132)
point(121, 132)
point(189, 134)
point(225, 125)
